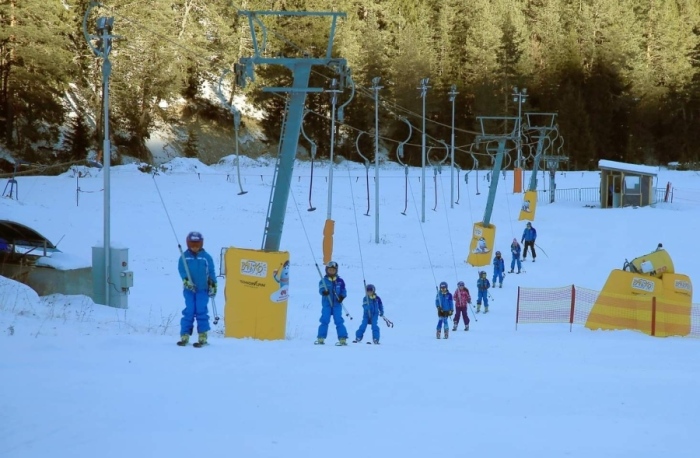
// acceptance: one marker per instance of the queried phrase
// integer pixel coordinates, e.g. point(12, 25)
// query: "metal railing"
point(585, 195)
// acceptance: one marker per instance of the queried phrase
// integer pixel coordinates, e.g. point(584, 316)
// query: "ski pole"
point(490, 296)
point(347, 314)
point(213, 308)
point(473, 312)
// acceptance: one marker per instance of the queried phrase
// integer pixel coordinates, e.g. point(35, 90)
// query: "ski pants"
point(516, 260)
point(497, 275)
point(195, 307)
point(442, 322)
point(530, 244)
point(465, 315)
point(337, 313)
point(483, 296)
point(367, 319)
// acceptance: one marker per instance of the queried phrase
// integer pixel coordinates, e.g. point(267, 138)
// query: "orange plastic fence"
point(573, 305)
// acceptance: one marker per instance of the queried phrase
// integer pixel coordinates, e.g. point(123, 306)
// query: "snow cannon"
point(646, 295)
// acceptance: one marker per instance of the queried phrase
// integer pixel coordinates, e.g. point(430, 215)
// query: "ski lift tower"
point(296, 98)
point(484, 233)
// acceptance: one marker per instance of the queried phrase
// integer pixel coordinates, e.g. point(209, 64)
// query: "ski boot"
point(375, 341)
point(466, 327)
point(357, 340)
point(447, 333)
point(438, 334)
point(320, 341)
point(184, 340)
point(511, 271)
point(201, 340)
point(454, 327)
point(486, 309)
point(343, 341)
point(478, 308)
point(500, 285)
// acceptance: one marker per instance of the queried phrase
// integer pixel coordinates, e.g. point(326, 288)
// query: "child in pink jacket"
point(462, 298)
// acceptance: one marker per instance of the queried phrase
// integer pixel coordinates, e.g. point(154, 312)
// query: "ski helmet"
point(443, 285)
point(482, 273)
point(370, 288)
point(332, 265)
point(461, 283)
point(498, 253)
point(195, 240)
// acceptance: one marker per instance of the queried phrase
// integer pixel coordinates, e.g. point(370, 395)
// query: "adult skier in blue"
point(482, 286)
point(445, 308)
point(529, 237)
point(333, 292)
point(198, 273)
point(515, 251)
point(372, 308)
point(499, 268)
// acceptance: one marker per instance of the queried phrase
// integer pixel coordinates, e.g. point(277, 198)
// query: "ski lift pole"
point(399, 156)
point(236, 127)
point(453, 95)
point(313, 156)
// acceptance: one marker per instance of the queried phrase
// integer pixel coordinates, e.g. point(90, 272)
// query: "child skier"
point(332, 291)
point(372, 309)
point(529, 237)
point(461, 298)
point(196, 268)
point(515, 251)
point(498, 269)
point(482, 285)
point(445, 308)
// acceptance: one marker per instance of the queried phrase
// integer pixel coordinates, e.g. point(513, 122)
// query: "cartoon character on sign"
point(526, 206)
point(281, 276)
point(481, 246)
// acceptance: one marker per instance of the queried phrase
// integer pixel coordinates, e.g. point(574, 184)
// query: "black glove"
point(325, 293)
point(439, 312)
point(340, 299)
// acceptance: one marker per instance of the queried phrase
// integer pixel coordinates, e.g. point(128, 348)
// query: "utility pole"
point(334, 91)
point(376, 87)
point(423, 92)
point(453, 95)
point(102, 50)
point(520, 97)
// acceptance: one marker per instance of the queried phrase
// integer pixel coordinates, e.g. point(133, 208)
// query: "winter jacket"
point(444, 302)
point(483, 284)
point(515, 250)
point(201, 267)
point(529, 235)
point(498, 265)
point(462, 298)
point(336, 287)
point(372, 306)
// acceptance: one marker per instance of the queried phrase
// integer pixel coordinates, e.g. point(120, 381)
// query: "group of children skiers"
point(196, 268)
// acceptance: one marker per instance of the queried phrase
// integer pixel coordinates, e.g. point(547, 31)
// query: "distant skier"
point(199, 284)
point(445, 308)
point(372, 308)
point(499, 268)
point(461, 298)
point(515, 251)
point(333, 292)
point(482, 286)
point(529, 237)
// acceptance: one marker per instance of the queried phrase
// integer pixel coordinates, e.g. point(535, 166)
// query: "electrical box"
point(119, 281)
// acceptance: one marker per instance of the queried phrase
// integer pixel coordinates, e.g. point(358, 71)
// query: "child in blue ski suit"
point(372, 309)
point(445, 308)
point(529, 237)
point(482, 286)
point(515, 251)
point(199, 284)
point(499, 268)
point(333, 292)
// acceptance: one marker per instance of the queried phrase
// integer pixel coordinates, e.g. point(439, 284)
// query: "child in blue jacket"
point(332, 290)
point(445, 308)
point(372, 309)
point(199, 284)
point(515, 251)
point(482, 286)
point(499, 268)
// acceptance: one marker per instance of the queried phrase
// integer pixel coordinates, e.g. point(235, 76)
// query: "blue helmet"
point(370, 288)
point(195, 240)
point(332, 265)
point(443, 284)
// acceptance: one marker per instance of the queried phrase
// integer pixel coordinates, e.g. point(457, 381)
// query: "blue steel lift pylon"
point(484, 233)
point(291, 128)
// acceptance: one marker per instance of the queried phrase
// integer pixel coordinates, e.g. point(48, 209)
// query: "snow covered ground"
point(84, 380)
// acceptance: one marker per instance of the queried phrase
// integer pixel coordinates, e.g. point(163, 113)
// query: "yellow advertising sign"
point(257, 289)
point(481, 245)
point(527, 209)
